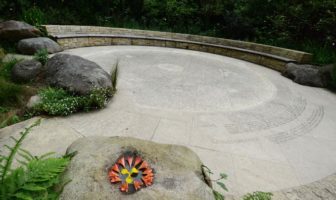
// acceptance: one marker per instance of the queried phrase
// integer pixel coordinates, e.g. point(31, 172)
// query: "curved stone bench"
point(85, 36)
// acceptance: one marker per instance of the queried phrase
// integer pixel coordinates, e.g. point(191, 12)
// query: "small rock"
point(32, 45)
point(305, 75)
point(16, 30)
point(178, 171)
point(33, 101)
point(76, 74)
point(26, 70)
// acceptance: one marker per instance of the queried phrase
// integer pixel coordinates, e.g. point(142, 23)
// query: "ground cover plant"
point(258, 196)
point(57, 101)
point(42, 56)
point(38, 177)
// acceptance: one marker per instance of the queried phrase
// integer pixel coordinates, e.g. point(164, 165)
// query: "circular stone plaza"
point(263, 130)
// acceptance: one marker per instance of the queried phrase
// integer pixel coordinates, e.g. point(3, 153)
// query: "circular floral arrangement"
point(132, 172)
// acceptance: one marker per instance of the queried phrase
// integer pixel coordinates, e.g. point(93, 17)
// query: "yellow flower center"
point(129, 178)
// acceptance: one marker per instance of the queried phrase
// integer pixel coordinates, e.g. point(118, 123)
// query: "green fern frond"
point(26, 154)
point(34, 180)
point(44, 156)
point(38, 176)
point(13, 150)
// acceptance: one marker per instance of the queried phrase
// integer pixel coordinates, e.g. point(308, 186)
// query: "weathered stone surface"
point(326, 73)
point(178, 173)
point(305, 75)
point(324, 189)
point(26, 70)
point(16, 30)
point(33, 101)
point(32, 45)
point(76, 74)
point(10, 56)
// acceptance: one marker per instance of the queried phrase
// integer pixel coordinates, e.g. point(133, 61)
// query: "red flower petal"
point(130, 160)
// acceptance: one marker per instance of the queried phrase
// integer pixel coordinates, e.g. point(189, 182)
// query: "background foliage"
point(304, 25)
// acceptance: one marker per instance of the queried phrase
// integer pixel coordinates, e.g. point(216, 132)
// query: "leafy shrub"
point(36, 178)
point(258, 196)
point(322, 54)
point(56, 101)
point(34, 16)
point(42, 56)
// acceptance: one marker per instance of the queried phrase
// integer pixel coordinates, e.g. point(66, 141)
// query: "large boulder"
point(32, 45)
point(76, 74)
point(26, 70)
point(178, 171)
point(305, 75)
point(16, 30)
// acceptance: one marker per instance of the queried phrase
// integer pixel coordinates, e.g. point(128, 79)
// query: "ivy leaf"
point(218, 196)
point(223, 176)
point(222, 185)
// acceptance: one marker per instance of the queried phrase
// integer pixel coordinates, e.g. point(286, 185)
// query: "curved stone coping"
point(323, 189)
point(68, 41)
point(300, 57)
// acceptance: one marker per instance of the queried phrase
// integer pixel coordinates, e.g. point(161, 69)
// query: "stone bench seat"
point(69, 41)
point(272, 57)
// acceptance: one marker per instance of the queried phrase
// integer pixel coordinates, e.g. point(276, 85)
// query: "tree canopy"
point(278, 22)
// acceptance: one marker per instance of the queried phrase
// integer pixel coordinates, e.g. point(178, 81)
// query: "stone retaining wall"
point(276, 58)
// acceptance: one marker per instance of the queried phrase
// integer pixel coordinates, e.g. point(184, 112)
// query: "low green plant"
point(3, 109)
point(42, 56)
point(9, 92)
point(34, 16)
point(258, 196)
point(322, 54)
point(36, 178)
point(9, 121)
point(56, 101)
point(218, 181)
point(6, 68)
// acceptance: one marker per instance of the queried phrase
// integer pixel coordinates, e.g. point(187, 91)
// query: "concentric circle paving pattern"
point(266, 132)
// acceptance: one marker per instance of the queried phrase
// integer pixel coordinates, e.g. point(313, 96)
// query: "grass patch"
point(9, 118)
point(258, 196)
point(42, 56)
point(13, 97)
point(322, 54)
point(58, 102)
point(9, 93)
point(6, 69)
